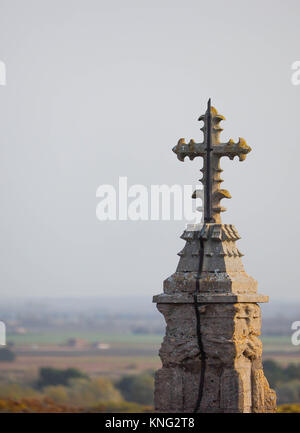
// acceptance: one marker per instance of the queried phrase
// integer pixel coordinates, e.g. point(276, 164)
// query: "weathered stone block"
point(233, 379)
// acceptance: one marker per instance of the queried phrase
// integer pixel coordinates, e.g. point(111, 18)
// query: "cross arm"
point(232, 149)
point(191, 149)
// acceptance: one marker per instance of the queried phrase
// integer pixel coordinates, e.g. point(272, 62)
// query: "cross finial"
point(212, 150)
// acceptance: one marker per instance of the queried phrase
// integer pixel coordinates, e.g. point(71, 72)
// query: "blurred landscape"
point(100, 354)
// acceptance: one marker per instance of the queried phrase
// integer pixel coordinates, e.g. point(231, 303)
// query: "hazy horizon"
point(97, 90)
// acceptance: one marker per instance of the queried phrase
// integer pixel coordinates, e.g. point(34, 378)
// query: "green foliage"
point(285, 381)
point(17, 391)
point(274, 372)
point(52, 376)
point(277, 374)
point(288, 392)
point(137, 389)
point(58, 393)
point(293, 371)
point(87, 392)
point(84, 392)
point(7, 355)
point(71, 390)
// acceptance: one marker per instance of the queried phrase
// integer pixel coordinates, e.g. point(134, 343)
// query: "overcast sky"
point(100, 89)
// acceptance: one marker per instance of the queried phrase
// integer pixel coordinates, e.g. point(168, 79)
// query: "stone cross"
point(212, 150)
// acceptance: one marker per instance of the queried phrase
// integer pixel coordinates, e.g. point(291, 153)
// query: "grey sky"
point(100, 89)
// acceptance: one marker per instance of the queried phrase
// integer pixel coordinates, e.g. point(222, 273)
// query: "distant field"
point(280, 349)
point(138, 341)
point(127, 353)
point(46, 338)
point(279, 341)
point(114, 366)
